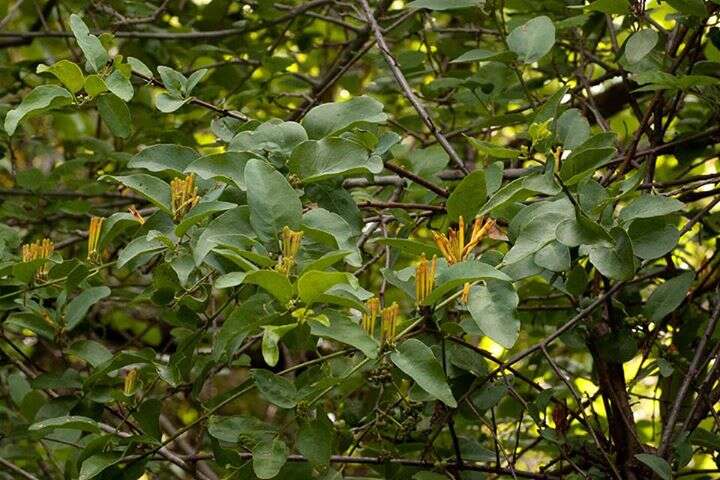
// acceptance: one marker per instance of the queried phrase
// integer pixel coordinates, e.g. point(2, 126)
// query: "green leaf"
point(41, 98)
point(482, 55)
point(136, 248)
point(532, 40)
point(467, 197)
point(173, 81)
point(344, 330)
point(271, 136)
point(652, 237)
point(269, 458)
point(330, 118)
point(67, 72)
point(554, 257)
point(331, 229)
point(315, 440)
point(274, 282)
point(533, 236)
point(316, 160)
point(164, 157)
point(276, 389)
point(311, 285)
point(668, 296)
point(487, 149)
point(705, 438)
point(96, 464)
point(572, 128)
point(200, 212)
point(167, 103)
point(271, 336)
point(194, 78)
point(454, 276)
point(116, 115)
point(273, 202)
point(581, 230)
point(582, 163)
point(69, 422)
point(656, 464)
point(617, 261)
point(139, 67)
point(612, 7)
point(235, 428)
point(90, 45)
point(152, 188)
point(493, 306)
point(416, 360)
point(79, 306)
point(640, 44)
point(689, 7)
point(648, 206)
point(441, 5)
point(118, 84)
point(94, 85)
point(228, 167)
point(91, 351)
point(148, 417)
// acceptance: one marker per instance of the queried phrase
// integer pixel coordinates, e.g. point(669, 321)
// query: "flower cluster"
point(93, 253)
point(40, 249)
point(389, 323)
point(289, 247)
point(453, 246)
point(424, 278)
point(183, 193)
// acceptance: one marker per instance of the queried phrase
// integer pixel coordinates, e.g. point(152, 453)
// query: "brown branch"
point(404, 206)
point(345, 459)
point(11, 466)
point(692, 372)
point(407, 90)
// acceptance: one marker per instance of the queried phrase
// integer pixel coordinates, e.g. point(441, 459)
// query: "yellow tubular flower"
point(368, 319)
point(389, 323)
point(130, 380)
point(137, 215)
point(453, 246)
point(93, 254)
point(465, 297)
point(39, 249)
point(290, 246)
point(290, 242)
point(424, 278)
point(184, 195)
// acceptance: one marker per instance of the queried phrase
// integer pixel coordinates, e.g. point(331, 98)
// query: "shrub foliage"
point(418, 239)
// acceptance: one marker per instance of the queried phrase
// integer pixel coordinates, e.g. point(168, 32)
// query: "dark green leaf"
point(417, 360)
point(164, 157)
point(276, 389)
point(273, 203)
point(79, 306)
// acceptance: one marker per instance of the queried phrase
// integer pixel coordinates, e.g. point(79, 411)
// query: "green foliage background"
point(245, 205)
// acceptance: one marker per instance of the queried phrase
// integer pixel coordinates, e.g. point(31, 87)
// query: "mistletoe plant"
point(433, 239)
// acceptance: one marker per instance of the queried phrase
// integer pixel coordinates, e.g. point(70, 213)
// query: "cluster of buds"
point(290, 246)
point(424, 278)
point(389, 323)
point(137, 215)
point(93, 252)
point(40, 249)
point(453, 246)
point(368, 319)
point(183, 193)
